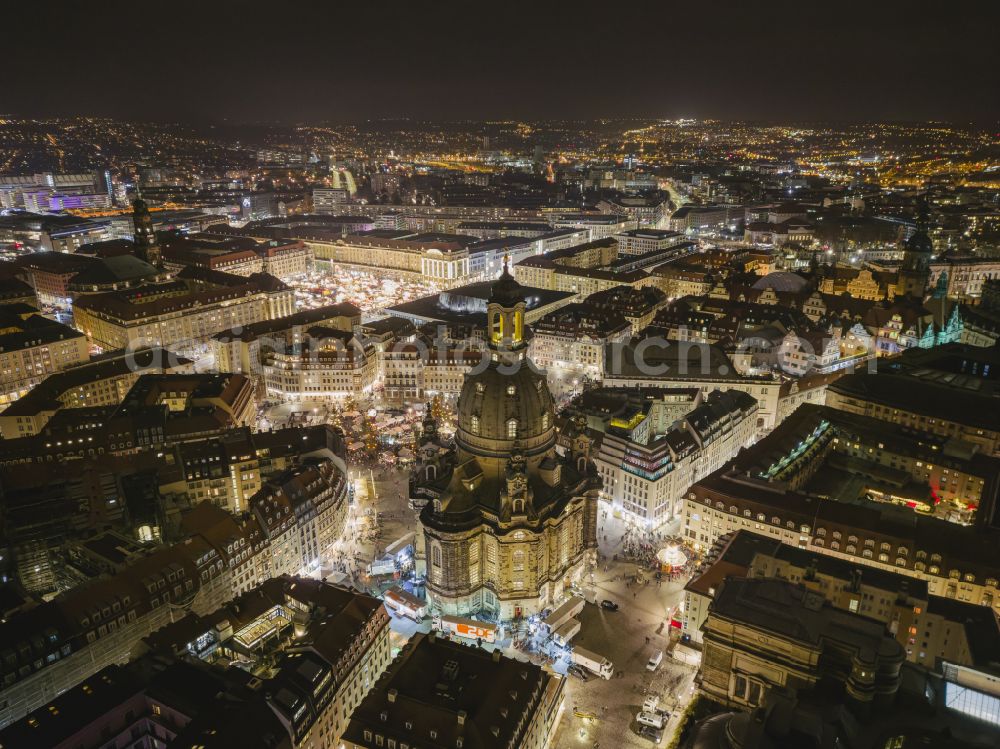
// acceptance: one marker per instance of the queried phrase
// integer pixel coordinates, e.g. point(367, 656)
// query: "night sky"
point(308, 62)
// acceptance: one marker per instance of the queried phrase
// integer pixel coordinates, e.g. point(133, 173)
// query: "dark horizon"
point(776, 62)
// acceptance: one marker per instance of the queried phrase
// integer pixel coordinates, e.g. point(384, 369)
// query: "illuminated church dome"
point(507, 405)
point(503, 495)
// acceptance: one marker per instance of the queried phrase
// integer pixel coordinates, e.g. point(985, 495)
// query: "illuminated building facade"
point(512, 523)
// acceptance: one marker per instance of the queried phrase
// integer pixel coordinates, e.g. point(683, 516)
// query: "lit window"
point(512, 429)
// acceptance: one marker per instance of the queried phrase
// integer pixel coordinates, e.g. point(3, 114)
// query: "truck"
point(468, 628)
point(564, 613)
point(655, 720)
point(593, 662)
point(566, 632)
point(401, 603)
point(385, 566)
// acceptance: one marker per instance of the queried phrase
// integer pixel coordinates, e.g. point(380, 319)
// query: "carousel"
point(671, 558)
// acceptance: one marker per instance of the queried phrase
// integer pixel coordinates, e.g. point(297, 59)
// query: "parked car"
point(653, 734)
point(654, 661)
point(609, 605)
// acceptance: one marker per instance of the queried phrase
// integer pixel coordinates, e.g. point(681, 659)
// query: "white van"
point(654, 661)
point(653, 720)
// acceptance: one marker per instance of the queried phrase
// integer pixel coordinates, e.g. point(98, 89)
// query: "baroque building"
point(508, 522)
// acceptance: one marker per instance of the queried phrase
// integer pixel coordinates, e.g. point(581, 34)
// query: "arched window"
point(436, 556)
point(474, 425)
point(545, 420)
point(512, 429)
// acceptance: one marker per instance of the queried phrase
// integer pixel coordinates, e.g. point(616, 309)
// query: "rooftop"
point(439, 691)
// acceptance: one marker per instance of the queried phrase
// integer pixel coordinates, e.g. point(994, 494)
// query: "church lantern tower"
point(146, 247)
point(915, 272)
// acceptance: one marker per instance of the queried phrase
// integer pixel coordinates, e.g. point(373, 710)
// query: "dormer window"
point(480, 387)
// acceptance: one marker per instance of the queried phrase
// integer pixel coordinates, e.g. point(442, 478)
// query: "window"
point(512, 429)
point(747, 690)
point(512, 390)
point(474, 425)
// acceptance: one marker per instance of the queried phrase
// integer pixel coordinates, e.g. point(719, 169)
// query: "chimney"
point(461, 717)
point(392, 695)
point(496, 656)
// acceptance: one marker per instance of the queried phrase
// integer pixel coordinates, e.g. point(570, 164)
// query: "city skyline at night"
point(500, 376)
